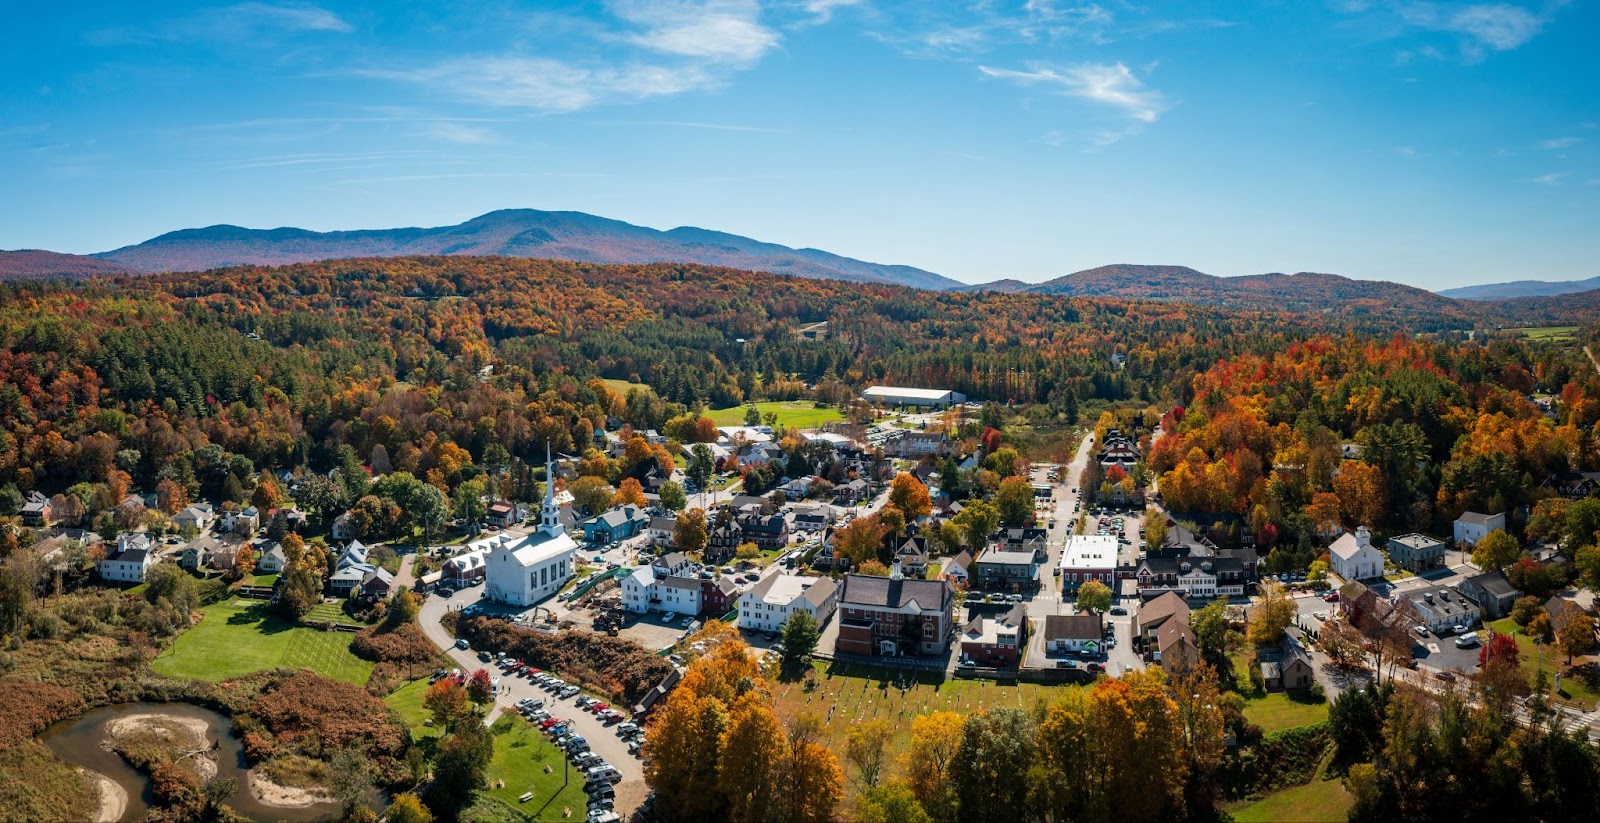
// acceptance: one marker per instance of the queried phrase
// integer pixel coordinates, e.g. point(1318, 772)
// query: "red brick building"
point(894, 616)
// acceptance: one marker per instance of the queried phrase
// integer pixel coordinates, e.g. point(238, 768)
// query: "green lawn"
point(801, 413)
point(330, 613)
point(525, 761)
point(240, 636)
point(268, 580)
point(1280, 710)
point(1573, 688)
point(407, 700)
point(1315, 802)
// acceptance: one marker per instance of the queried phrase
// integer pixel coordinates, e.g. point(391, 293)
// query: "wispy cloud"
point(295, 16)
point(453, 132)
point(1557, 143)
point(1110, 84)
point(686, 124)
point(1480, 28)
point(1405, 151)
point(821, 11)
point(1552, 179)
point(661, 49)
point(239, 23)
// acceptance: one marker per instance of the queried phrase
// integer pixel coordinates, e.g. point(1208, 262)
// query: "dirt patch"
point(143, 739)
point(272, 794)
point(113, 798)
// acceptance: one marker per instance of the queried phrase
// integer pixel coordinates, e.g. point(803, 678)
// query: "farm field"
point(802, 413)
point(622, 385)
point(238, 636)
point(1547, 332)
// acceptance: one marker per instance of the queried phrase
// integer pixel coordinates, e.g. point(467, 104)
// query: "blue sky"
point(1432, 143)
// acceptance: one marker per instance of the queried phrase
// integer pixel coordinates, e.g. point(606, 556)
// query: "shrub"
point(1284, 758)
point(614, 665)
point(314, 716)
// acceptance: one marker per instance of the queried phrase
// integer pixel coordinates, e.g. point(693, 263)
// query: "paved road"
point(602, 739)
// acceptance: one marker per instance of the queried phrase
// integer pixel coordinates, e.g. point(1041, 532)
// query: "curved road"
point(602, 738)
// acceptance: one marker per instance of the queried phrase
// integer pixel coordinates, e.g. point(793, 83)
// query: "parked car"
point(463, 644)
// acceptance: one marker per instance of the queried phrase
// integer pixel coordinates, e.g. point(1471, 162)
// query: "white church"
point(523, 570)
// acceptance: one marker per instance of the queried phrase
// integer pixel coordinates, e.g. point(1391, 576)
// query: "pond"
point(80, 741)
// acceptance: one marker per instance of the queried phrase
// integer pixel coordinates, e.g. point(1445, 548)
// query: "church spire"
point(551, 515)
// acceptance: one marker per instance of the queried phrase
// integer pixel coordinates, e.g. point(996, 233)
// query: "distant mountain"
point(1303, 292)
point(1007, 285)
point(563, 235)
point(28, 264)
point(1522, 288)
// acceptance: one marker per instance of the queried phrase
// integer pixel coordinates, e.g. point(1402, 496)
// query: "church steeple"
point(550, 517)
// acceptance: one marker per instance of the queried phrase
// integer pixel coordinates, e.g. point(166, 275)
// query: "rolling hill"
point(1303, 292)
point(561, 235)
point(1522, 288)
point(29, 264)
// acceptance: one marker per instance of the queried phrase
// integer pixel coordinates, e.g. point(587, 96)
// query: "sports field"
point(240, 636)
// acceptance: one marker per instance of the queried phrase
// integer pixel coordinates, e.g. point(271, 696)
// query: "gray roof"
point(868, 590)
point(681, 582)
point(1475, 518)
point(1494, 584)
point(1072, 627)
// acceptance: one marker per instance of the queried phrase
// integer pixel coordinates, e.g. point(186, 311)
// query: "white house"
point(270, 558)
point(661, 528)
point(343, 528)
point(1353, 557)
point(1472, 526)
point(130, 561)
point(768, 606)
point(198, 516)
point(653, 588)
point(522, 571)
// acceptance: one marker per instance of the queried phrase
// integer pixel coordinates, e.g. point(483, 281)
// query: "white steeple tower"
point(550, 517)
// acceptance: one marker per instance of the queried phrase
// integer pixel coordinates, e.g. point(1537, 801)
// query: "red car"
point(1095, 667)
point(599, 707)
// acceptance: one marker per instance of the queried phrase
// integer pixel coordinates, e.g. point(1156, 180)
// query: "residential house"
point(768, 605)
point(913, 555)
point(759, 454)
point(650, 588)
point(465, 569)
point(1118, 450)
point(36, 510)
point(1289, 665)
point(1417, 553)
point(131, 560)
point(506, 514)
point(619, 523)
point(1024, 539)
point(718, 596)
point(197, 516)
point(1561, 609)
point(1175, 647)
point(956, 569)
point(895, 616)
point(798, 488)
point(1167, 607)
point(995, 641)
point(661, 529)
point(344, 528)
point(1573, 485)
point(243, 522)
point(914, 444)
point(722, 541)
point(1441, 609)
point(1493, 593)
point(1353, 557)
point(378, 584)
point(1471, 527)
point(1073, 633)
point(1000, 570)
point(270, 558)
point(204, 552)
point(769, 531)
point(812, 519)
point(851, 492)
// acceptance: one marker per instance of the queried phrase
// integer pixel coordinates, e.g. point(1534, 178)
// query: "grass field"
point(264, 580)
point(1315, 802)
point(1547, 332)
point(407, 700)
point(622, 385)
point(847, 694)
point(524, 761)
point(237, 637)
point(1573, 688)
point(801, 413)
point(1279, 710)
point(330, 613)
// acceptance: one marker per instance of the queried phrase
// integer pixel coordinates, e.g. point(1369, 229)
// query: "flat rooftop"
point(1089, 551)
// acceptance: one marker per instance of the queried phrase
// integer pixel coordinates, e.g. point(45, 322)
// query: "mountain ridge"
point(1521, 288)
point(565, 235)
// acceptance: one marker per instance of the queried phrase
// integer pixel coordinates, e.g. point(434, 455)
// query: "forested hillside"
point(442, 364)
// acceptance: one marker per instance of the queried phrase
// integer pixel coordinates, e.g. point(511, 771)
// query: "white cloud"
point(1405, 151)
point(722, 30)
point(1558, 143)
point(656, 49)
point(1480, 26)
point(293, 16)
point(821, 11)
point(1552, 179)
point(454, 132)
point(1110, 84)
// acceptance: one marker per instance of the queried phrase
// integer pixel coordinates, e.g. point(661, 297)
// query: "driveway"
point(602, 738)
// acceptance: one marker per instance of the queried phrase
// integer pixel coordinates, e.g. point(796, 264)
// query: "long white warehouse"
point(901, 396)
